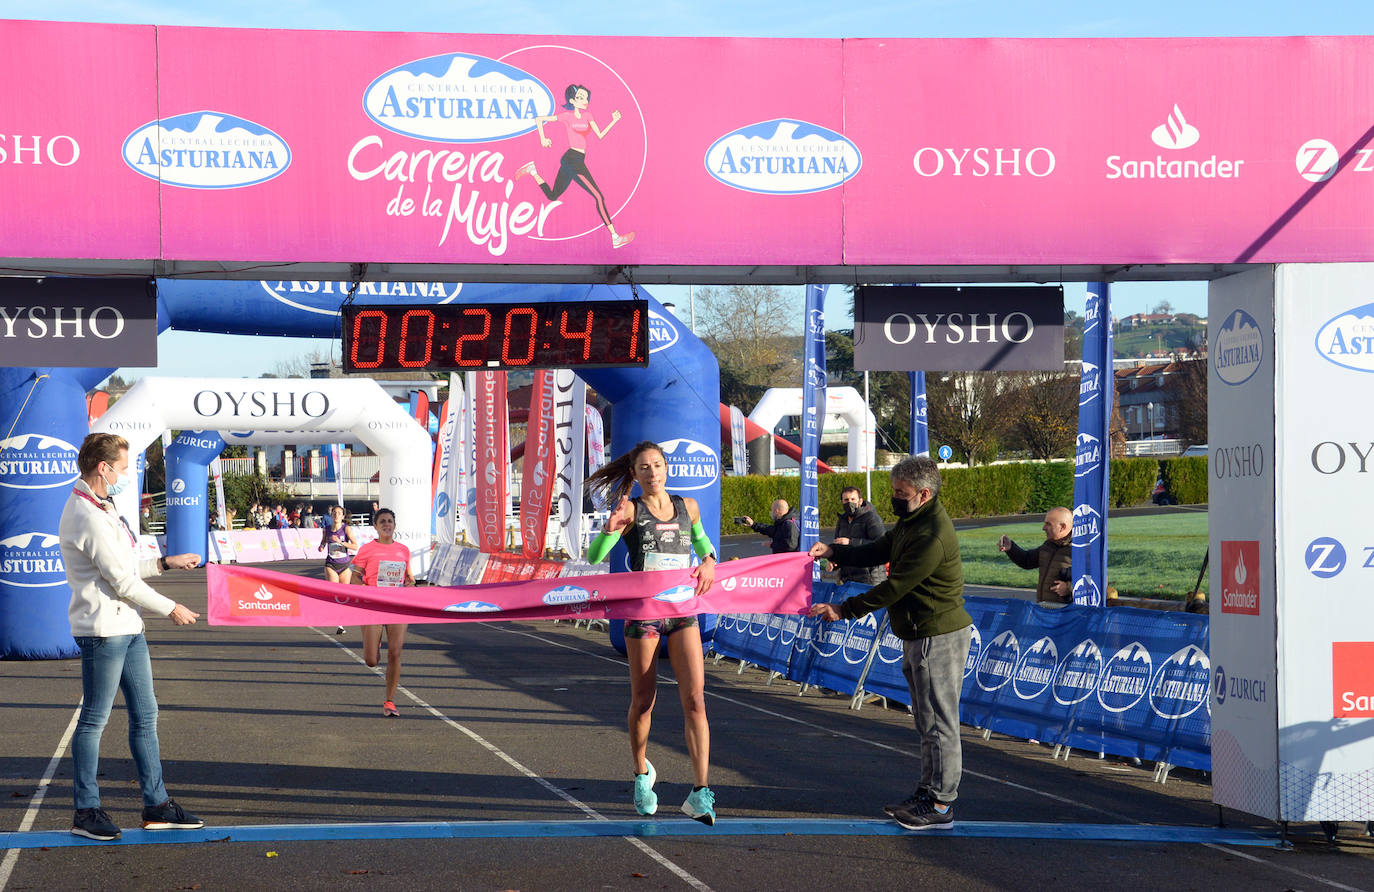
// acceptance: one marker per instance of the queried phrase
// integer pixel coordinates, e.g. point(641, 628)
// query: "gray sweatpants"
point(934, 670)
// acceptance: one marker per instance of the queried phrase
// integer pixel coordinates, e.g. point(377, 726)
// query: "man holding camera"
point(785, 531)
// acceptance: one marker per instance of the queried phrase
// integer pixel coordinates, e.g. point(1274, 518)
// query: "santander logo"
point(1175, 132)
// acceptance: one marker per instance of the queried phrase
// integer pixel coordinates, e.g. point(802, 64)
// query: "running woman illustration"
point(572, 167)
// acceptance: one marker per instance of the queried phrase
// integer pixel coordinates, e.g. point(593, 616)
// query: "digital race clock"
point(454, 337)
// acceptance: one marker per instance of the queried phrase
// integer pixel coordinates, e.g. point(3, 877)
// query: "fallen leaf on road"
point(271, 854)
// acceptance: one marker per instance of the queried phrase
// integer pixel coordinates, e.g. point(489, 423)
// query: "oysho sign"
point(959, 329)
point(77, 323)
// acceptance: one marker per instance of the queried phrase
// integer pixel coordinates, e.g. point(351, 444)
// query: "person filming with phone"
point(785, 531)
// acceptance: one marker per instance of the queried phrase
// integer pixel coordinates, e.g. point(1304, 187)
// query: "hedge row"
point(984, 491)
point(1185, 479)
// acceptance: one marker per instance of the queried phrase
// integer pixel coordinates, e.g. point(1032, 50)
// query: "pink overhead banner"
point(70, 92)
point(248, 596)
point(260, 146)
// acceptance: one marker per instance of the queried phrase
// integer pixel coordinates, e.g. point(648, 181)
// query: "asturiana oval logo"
point(207, 150)
point(457, 97)
point(472, 607)
point(1182, 683)
point(1125, 678)
point(1239, 348)
point(691, 465)
point(677, 594)
point(1076, 678)
point(1087, 455)
point(1348, 339)
point(998, 664)
point(1036, 670)
point(325, 298)
point(858, 639)
point(36, 461)
point(783, 157)
point(566, 594)
point(975, 650)
point(31, 560)
point(662, 332)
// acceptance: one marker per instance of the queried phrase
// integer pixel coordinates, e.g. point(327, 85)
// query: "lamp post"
point(1150, 408)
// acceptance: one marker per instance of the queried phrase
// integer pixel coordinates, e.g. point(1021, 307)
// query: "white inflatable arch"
point(315, 408)
point(842, 402)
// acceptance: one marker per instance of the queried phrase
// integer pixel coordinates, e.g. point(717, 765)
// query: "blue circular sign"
point(945, 452)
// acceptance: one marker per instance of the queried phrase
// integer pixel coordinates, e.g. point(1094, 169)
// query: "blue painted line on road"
point(1147, 833)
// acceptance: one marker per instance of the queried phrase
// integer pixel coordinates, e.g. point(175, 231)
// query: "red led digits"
point(407, 341)
point(478, 337)
point(533, 319)
point(358, 339)
point(585, 335)
point(634, 352)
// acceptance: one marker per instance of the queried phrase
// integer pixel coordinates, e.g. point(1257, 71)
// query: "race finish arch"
point(1125, 175)
point(845, 402)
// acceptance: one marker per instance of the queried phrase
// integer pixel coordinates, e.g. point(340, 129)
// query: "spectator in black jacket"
point(1053, 558)
point(785, 531)
point(859, 524)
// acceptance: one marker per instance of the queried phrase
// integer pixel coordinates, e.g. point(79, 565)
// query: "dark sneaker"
point(169, 816)
point(925, 817)
point(93, 823)
point(906, 804)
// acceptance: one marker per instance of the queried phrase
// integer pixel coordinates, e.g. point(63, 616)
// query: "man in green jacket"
point(924, 597)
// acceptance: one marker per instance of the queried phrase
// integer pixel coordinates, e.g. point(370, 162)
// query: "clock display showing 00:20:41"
point(451, 337)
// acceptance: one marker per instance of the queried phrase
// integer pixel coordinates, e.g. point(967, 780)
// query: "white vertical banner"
point(217, 474)
point(450, 446)
point(336, 459)
point(596, 446)
point(1324, 371)
point(570, 438)
point(739, 449)
point(1242, 602)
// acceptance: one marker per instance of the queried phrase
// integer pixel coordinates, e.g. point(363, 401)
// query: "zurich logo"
point(207, 150)
point(566, 594)
point(473, 607)
point(691, 465)
point(1325, 557)
point(1126, 678)
point(31, 560)
point(1318, 160)
point(1219, 685)
point(1181, 684)
point(457, 97)
point(36, 461)
point(325, 298)
point(1348, 339)
point(1175, 132)
point(783, 157)
point(729, 584)
point(1239, 348)
point(1089, 388)
point(662, 332)
point(677, 594)
point(1088, 455)
point(1087, 526)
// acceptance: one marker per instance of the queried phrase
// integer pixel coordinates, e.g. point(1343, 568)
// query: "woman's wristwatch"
point(162, 564)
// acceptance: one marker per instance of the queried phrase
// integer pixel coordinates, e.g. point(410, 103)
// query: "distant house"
point(1138, 319)
point(1148, 404)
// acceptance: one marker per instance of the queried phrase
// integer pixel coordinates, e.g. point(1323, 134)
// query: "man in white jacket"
point(108, 595)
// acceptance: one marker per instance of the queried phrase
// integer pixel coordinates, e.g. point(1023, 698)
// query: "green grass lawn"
point(1147, 557)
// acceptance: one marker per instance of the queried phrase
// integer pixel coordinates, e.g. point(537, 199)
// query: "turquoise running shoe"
point(646, 800)
point(701, 806)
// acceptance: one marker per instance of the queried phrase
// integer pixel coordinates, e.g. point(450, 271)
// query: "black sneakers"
point(93, 823)
point(924, 817)
point(169, 816)
point(906, 804)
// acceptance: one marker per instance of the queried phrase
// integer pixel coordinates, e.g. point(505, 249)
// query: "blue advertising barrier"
point(1122, 680)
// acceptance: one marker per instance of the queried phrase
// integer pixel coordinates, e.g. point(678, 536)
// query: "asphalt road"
point(524, 722)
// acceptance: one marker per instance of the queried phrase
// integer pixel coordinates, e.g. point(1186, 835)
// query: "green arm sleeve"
point(601, 546)
point(701, 543)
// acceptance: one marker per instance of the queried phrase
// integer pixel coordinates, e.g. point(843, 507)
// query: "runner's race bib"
point(657, 560)
point(391, 573)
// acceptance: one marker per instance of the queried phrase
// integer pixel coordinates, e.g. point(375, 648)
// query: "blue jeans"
point(119, 662)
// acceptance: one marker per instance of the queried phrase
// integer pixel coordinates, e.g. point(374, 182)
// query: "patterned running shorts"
point(654, 628)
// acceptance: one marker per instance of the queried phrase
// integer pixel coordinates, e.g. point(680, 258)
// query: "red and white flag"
point(536, 484)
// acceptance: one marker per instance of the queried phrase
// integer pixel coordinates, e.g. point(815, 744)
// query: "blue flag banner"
point(1092, 463)
point(920, 431)
point(813, 412)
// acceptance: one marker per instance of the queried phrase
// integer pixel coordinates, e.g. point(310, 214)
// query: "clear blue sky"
point(185, 353)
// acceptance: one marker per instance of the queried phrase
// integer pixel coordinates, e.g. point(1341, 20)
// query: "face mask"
point(901, 507)
point(120, 483)
point(850, 510)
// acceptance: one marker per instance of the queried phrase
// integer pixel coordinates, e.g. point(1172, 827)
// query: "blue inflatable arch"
point(675, 401)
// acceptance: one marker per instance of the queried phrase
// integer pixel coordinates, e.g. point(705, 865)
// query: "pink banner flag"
point(536, 483)
point(493, 457)
point(251, 596)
